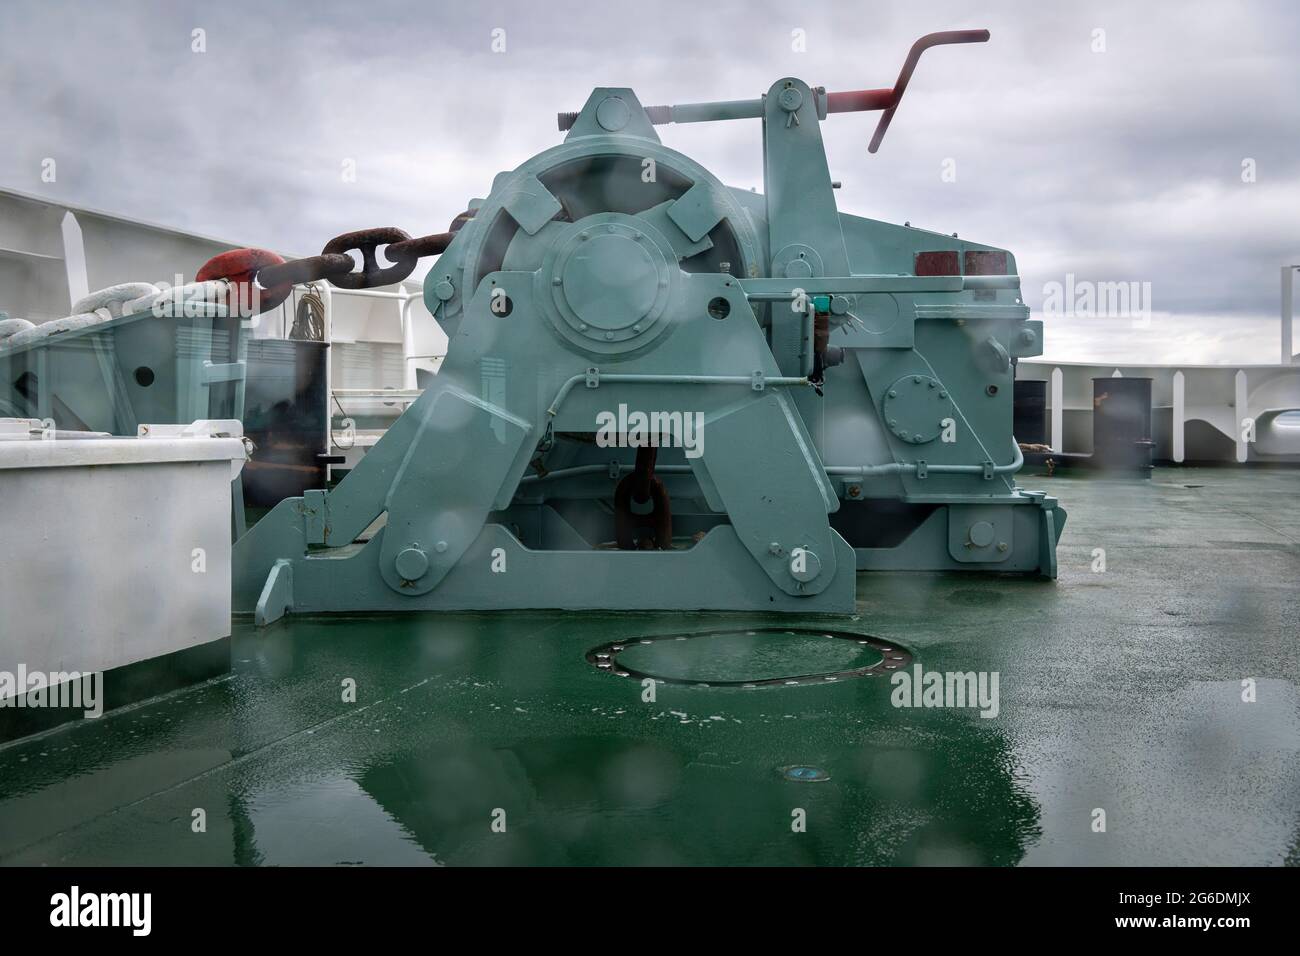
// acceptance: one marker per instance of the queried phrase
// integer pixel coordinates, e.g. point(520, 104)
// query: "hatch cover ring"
point(750, 658)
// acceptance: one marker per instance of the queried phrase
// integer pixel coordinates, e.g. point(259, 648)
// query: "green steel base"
point(1120, 690)
point(715, 574)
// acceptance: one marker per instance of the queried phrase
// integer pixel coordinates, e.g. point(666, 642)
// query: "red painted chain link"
point(240, 268)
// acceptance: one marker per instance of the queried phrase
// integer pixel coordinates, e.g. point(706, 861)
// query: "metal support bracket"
point(315, 516)
point(277, 594)
point(229, 372)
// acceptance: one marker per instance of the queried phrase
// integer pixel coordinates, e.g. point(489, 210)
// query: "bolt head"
point(804, 564)
point(411, 564)
point(790, 99)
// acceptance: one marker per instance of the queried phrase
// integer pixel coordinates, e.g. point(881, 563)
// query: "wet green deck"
point(1119, 690)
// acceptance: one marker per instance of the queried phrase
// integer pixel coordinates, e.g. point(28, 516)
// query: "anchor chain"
point(642, 488)
point(264, 280)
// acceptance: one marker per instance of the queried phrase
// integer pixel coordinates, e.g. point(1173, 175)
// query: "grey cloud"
point(1123, 165)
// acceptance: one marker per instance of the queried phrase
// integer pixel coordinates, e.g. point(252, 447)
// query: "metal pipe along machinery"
point(662, 392)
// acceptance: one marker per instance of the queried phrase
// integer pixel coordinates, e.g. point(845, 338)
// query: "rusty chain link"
point(336, 265)
point(302, 271)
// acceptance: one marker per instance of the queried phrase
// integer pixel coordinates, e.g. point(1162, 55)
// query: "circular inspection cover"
point(611, 281)
point(915, 408)
point(750, 658)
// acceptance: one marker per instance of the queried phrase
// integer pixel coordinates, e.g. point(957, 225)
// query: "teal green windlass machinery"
point(851, 382)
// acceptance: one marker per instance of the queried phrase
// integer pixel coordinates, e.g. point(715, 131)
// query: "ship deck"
point(1120, 690)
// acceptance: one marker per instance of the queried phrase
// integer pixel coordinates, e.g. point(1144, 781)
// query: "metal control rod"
point(848, 101)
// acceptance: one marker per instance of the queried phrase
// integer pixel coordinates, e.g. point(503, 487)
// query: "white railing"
point(1199, 412)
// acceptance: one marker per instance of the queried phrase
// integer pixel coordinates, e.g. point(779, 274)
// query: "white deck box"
point(114, 555)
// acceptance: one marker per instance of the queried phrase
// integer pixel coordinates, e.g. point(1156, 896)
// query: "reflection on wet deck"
point(1119, 690)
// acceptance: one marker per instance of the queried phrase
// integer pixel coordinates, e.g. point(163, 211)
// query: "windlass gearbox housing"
point(850, 382)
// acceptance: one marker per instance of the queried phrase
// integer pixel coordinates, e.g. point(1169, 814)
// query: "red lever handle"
point(856, 101)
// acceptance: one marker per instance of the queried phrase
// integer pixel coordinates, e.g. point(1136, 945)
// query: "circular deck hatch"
point(750, 657)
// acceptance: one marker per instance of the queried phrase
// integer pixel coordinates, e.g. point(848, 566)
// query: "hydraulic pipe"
point(898, 467)
point(835, 471)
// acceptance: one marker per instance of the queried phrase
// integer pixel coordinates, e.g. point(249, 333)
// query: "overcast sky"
point(1117, 165)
